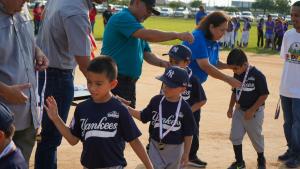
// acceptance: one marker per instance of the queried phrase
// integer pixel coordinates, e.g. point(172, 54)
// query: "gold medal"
point(161, 145)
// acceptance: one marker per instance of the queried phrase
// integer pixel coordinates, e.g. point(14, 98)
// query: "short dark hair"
point(216, 19)
point(237, 57)
point(296, 4)
point(9, 132)
point(104, 64)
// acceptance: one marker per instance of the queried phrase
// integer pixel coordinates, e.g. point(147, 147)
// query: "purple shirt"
point(270, 27)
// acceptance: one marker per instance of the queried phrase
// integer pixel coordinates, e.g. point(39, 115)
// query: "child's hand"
point(248, 114)
point(51, 108)
point(184, 160)
point(229, 113)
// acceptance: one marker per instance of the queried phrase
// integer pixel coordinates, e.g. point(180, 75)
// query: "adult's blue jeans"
point(60, 86)
point(291, 126)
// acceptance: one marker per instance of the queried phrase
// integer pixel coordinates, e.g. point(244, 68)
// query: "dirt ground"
point(215, 147)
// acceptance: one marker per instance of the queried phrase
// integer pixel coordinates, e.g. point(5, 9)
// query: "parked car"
point(166, 12)
point(193, 12)
point(248, 15)
point(100, 8)
point(258, 17)
point(181, 12)
point(231, 14)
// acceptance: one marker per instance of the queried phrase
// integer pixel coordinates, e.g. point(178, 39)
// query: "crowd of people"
point(37, 86)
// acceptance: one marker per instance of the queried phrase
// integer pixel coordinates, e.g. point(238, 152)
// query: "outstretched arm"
point(153, 59)
point(161, 36)
point(52, 112)
point(135, 113)
point(141, 153)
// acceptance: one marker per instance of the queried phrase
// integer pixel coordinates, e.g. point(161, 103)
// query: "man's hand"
point(41, 61)
point(186, 36)
point(14, 94)
point(51, 108)
point(233, 82)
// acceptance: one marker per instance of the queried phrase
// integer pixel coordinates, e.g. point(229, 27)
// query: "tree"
point(176, 4)
point(282, 6)
point(195, 4)
point(265, 5)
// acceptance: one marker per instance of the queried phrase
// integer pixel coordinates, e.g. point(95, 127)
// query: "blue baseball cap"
point(151, 4)
point(174, 76)
point(6, 117)
point(180, 52)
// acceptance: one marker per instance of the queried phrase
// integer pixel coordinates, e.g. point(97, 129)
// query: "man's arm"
point(83, 62)
point(152, 59)
point(161, 36)
point(14, 94)
point(214, 72)
point(139, 150)
point(52, 112)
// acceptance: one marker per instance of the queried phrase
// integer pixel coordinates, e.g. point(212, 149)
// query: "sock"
point(260, 156)
point(238, 152)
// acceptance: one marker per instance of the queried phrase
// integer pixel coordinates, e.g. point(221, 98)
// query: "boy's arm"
point(140, 152)
point(251, 111)
point(197, 105)
point(135, 113)
point(52, 112)
point(231, 105)
point(186, 151)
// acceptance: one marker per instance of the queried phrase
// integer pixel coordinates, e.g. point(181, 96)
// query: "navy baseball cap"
point(179, 52)
point(174, 76)
point(6, 117)
point(151, 3)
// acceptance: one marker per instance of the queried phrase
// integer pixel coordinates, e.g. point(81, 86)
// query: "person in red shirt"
point(92, 14)
point(37, 17)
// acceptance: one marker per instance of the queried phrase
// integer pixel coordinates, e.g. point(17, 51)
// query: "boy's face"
point(179, 63)
point(239, 69)
point(172, 93)
point(99, 86)
point(295, 17)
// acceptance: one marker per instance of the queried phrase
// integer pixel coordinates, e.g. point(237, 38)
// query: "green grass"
point(182, 25)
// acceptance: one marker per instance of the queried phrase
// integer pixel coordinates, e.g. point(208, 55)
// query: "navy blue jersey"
point(103, 129)
point(185, 125)
point(13, 160)
point(255, 86)
point(194, 92)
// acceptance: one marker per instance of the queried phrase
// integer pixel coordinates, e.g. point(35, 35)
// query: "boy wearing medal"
point(172, 124)
point(248, 115)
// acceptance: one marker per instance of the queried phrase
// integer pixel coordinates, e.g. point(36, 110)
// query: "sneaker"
point(285, 156)
point(293, 162)
point(261, 163)
point(197, 163)
point(236, 165)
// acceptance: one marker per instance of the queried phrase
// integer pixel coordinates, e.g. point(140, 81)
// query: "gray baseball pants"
point(253, 127)
point(168, 158)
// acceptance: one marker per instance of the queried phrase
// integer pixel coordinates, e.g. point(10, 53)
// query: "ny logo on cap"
point(175, 49)
point(170, 73)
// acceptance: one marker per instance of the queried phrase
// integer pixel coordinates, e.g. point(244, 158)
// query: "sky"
point(222, 2)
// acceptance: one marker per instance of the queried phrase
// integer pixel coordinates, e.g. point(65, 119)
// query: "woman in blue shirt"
point(205, 57)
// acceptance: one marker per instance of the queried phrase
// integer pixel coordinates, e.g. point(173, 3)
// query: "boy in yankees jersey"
point(249, 101)
point(180, 55)
point(101, 123)
point(172, 124)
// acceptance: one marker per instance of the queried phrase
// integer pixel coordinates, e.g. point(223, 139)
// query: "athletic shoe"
point(285, 156)
point(197, 163)
point(236, 165)
point(261, 163)
point(293, 162)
